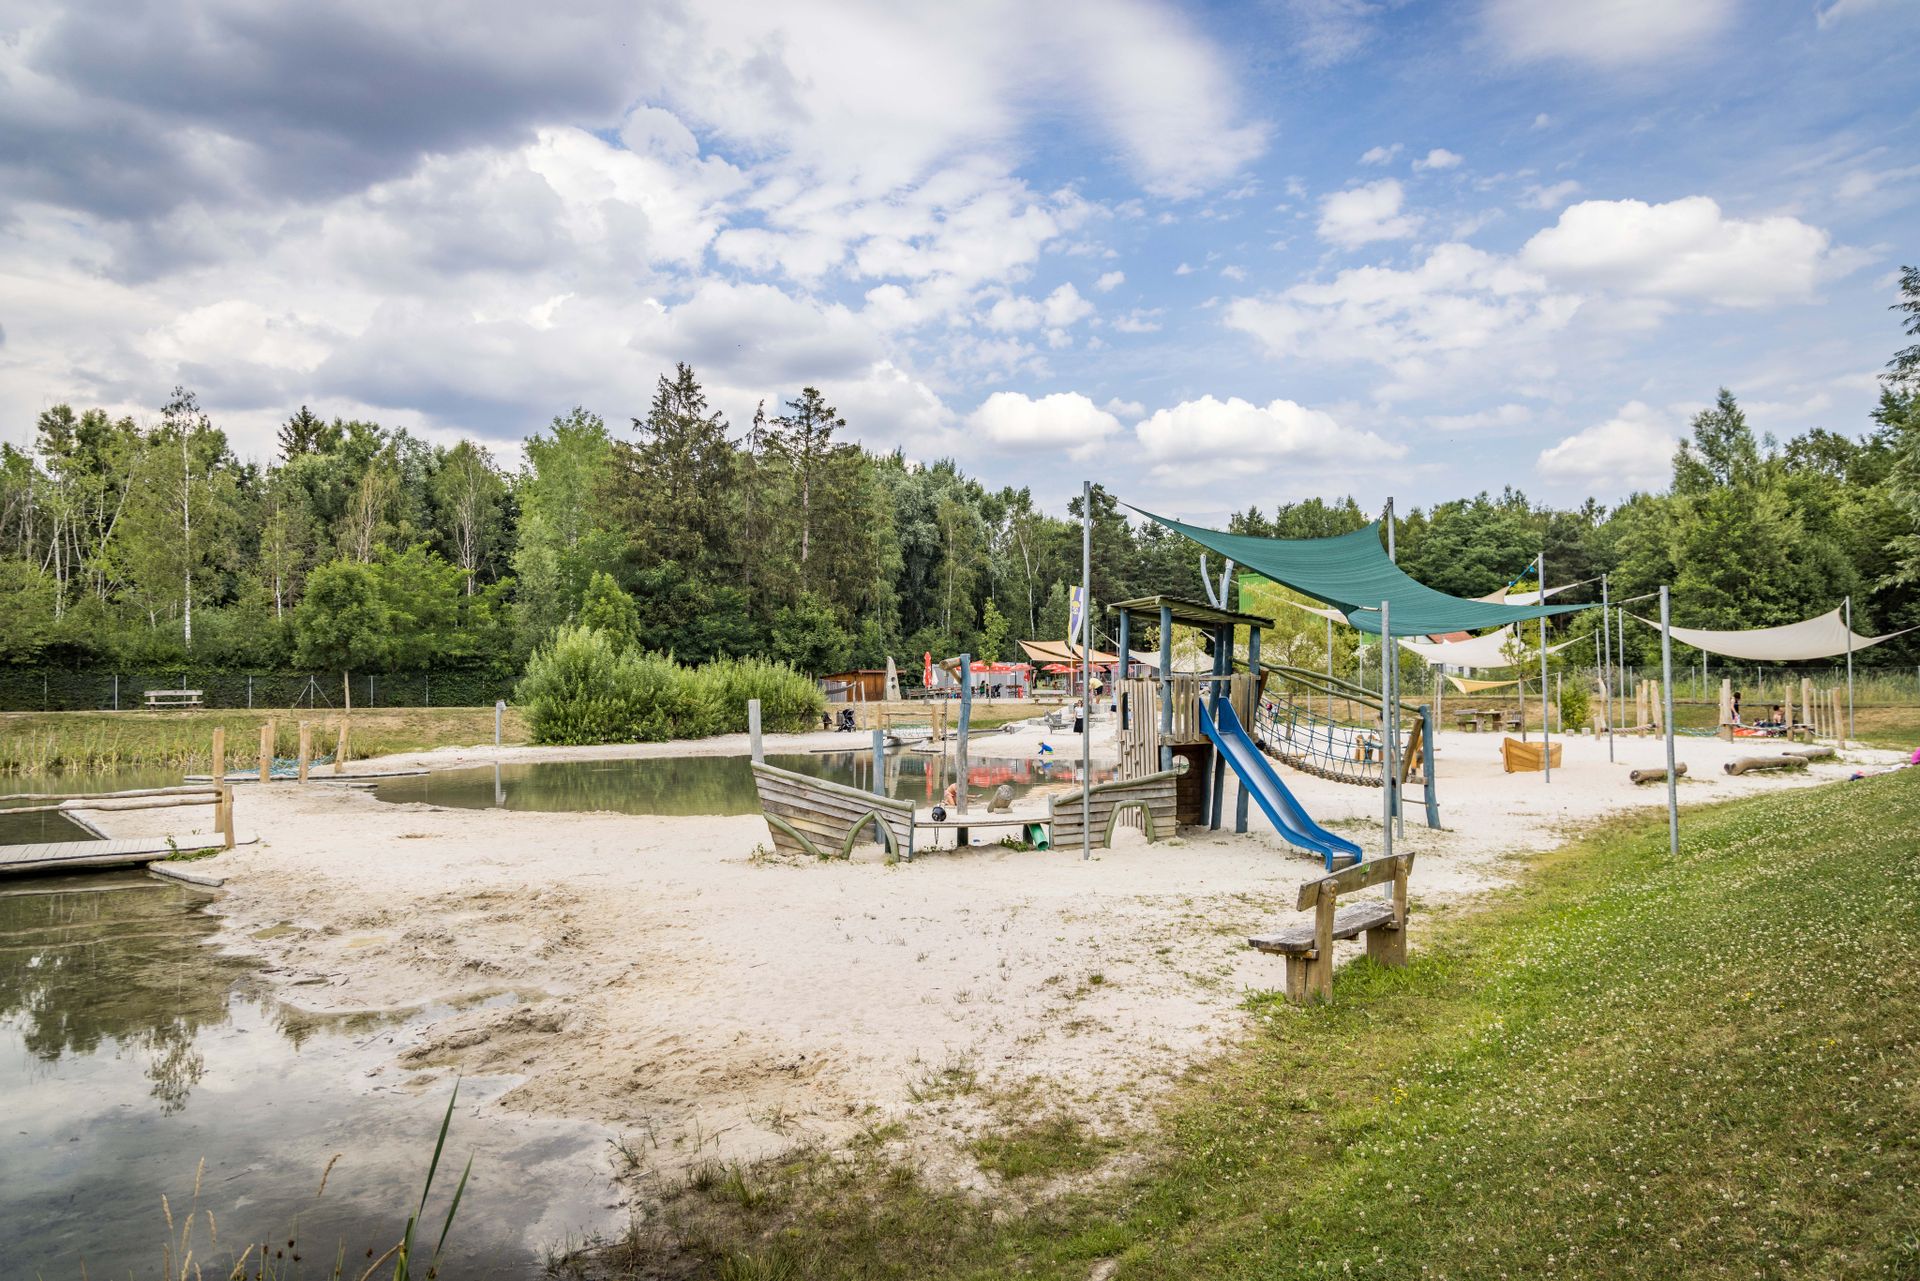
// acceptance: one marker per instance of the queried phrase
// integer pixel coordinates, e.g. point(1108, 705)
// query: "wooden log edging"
point(1656, 775)
point(1749, 764)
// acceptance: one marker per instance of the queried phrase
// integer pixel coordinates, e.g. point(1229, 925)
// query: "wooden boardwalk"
point(123, 851)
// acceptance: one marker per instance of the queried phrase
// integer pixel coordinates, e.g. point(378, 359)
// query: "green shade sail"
point(1351, 572)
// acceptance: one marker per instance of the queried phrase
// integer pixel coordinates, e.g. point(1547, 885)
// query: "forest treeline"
point(362, 547)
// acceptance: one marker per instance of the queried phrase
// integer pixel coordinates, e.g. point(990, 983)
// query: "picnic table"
point(1476, 720)
point(173, 698)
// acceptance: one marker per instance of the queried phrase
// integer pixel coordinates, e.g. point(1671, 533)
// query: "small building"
point(867, 685)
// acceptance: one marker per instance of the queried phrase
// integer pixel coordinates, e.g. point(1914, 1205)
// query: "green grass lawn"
point(1624, 1066)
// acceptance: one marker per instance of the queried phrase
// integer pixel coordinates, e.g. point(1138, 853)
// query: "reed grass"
point(193, 1240)
point(44, 742)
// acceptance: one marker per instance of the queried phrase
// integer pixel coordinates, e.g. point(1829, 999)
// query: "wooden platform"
point(123, 851)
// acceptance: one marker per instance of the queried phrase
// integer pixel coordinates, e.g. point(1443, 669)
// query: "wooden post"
point(1726, 709)
point(753, 730)
point(346, 692)
point(340, 747)
point(266, 751)
point(306, 749)
point(1389, 947)
point(1806, 701)
point(1320, 974)
point(219, 773)
point(1166, 687)
point(226, 816)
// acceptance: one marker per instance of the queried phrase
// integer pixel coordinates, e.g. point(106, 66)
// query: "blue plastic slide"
point(1276, 802)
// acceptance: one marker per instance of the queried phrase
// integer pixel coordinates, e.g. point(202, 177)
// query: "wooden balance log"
point(1751, 764)
point(1657, 775)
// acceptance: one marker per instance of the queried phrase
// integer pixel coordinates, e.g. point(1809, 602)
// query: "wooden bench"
point(1153, 796)
point(808, 815)
point(1309, 948)
point(173, 698)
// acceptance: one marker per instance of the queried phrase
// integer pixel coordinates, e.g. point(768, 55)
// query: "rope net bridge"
point(1326, 727)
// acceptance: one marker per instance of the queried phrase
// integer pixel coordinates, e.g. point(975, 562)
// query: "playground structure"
point(1201, 718)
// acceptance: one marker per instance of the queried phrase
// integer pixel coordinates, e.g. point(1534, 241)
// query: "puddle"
point(689, 785)
point(131, 1049)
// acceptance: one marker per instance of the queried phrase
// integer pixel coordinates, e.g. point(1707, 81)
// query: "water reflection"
point(131, 1049)
point(690, 785)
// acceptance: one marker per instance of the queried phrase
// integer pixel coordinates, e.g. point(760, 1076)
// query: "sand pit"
point(705, 1000)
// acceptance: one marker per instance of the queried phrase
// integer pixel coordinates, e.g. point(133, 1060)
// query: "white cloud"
point(1065, 420)
point(1439, 158)
point(1279, 431)
point(1549, 197)
point(1059, 309)
point(1184, 269)
point(1630, 451)
point(1329, 31)
point(1685, 249)
point(1501, 418)
point(1360, 215)
point(1141, 320)
point(1604, 33)
point(1380, 155)
point(1543, 121)
point(1233, 271)
point(1110, 281)
point(1124, 408)
point(1842, 10)
point(1461, 316)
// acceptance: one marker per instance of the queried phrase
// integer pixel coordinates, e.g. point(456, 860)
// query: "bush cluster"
point(584, 687)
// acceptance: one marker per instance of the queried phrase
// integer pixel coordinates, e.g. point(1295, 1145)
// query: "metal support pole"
point(1166, 687)
point(1386, 736)
point(1849, 621)
point(1546, 712)
point(1086, 657)
point(1253, 721)
point(1222, 666)
point(1666, 696)
point(1606, 663)
point(1390, 655)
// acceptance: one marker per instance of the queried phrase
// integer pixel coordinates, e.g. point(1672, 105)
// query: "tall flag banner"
point(1078, 616)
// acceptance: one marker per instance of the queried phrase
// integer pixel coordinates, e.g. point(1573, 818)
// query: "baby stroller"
point(845, 723)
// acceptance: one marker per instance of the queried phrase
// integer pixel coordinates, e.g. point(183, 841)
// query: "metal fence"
point(56, 690)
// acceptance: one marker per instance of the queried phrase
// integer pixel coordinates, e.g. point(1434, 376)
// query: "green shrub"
point(582, 687)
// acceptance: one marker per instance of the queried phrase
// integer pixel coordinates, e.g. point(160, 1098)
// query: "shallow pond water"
point(30, 829)
point(131, 1049)
point(688, 785)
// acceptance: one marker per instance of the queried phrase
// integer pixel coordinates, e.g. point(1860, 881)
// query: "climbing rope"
point(1320, 740)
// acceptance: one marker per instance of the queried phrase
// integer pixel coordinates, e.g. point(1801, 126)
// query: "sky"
point(1208, 256)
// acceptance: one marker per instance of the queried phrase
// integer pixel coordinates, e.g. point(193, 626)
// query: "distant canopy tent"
point(1352, 573)
point(1508, 596)
point(1491, 650)
point(1824, 637)
point(1067, 652)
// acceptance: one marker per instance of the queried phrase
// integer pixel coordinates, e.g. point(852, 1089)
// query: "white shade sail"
point(1480, 651)
point(1824, 637)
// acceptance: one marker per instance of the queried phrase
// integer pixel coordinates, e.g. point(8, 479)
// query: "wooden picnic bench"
point(1475, 721)
point(174, 698)
point(1309, 948)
